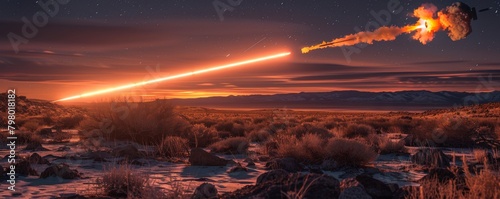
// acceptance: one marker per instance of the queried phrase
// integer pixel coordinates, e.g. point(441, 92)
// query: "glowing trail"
point(176, 76)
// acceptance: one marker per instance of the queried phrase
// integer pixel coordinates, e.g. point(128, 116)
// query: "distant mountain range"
point(349, 100)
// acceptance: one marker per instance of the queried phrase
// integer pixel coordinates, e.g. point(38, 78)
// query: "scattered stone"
point(329, 165)
point(200, 157)
point(35, 146)
point(443, 175)
point(127, 151)
point(354, 192)
point(205, 191)
point(288, 164)
point(24, 168)
point(374, 187)
point(35, 158)
point(63, 148)
point(274, 175)
point(431, 158)
point(319, 186)
point(61, 170)
point(238, 168)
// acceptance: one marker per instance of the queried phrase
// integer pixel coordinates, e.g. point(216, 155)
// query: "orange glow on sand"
point(260, 59)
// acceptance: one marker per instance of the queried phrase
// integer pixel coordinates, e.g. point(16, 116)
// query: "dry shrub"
point(258, 135)
point(458, 131)
point(70, 121)
point(387, 145)
point(481, 155)
point(31, 125)
point(485, 184)
point(27, 137)
point(358, 130)
point(122, 182)
point(307, 149)
point(173, 147)
point(202, 136)
point(233, 145)
point(349, 152)
point(145, 122)
point(60, 136)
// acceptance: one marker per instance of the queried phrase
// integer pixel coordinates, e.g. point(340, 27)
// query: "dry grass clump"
point(260, 135)
point(122, 182)
point(31, 125)
point(386, 145)
point(233, 145)
point(145, 122)
point(358, 130)
point(349, 152)
point(173, 147)
point(27, 137)
point(312, 149)
point(308, 149)
point(202, 136)
point(485, 184)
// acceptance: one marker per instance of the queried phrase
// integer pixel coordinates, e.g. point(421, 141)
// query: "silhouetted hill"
point(407, 100)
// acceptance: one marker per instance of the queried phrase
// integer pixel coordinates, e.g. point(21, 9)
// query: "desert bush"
point(387, 145)
point(31, 125)
point(358, 130)
point(481, 155)
point(422, 131)
point(145, 122)
point(173, 147)
point(307, 149)
point(89, 124)
point(349, 152)
point(233, 145)
point(259, 120)
point(258, 135)
point(458, 131)
point(485, 184)
point(70, 121)
point(60, 136)
point(202, 136)
point(122, 182)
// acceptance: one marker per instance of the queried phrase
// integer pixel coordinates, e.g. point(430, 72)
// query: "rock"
point(200, 157)
point(127, 151)
point(24, 168)
point(431, 158)
point(287, 164)
point(319, 186)
point(63, 148)
point(329, 165)
point(35, 158)
point(274, 175)
point(238, 168)
point(375, 188)
point(205, 191)
point(354, 193)
point(35, 146)
point(443, 175)
point(61, 170)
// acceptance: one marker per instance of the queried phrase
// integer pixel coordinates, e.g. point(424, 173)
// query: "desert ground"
point(126, 149)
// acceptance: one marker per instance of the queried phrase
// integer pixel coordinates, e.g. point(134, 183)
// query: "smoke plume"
point(454, 19)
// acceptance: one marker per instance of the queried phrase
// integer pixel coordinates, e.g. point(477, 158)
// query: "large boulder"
point(35, 158)
point(287, 164)
point(61, 170)
point(205, 191)
point(24, 168)
point(430, 158)
point(375, 188)
point(278, 186)
point(354, 192)
point(127, 151)
point(200, 157)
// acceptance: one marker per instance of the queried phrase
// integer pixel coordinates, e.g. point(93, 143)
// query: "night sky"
point(92, 44)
